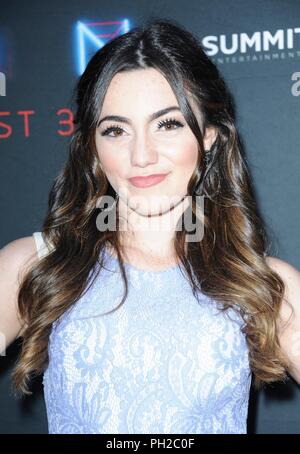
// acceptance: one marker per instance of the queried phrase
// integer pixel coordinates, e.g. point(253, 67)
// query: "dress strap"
point(41, 245)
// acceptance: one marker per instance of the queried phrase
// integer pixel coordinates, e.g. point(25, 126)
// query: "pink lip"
point(150, 180)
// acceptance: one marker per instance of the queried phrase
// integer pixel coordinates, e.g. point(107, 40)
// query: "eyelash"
point(168, 121)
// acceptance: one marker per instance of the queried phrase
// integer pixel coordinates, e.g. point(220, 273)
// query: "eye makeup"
point(166, 122)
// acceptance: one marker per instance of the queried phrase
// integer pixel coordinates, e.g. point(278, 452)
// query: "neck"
point(151, 235)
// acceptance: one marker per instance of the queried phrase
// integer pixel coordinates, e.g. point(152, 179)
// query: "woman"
point(203, 312)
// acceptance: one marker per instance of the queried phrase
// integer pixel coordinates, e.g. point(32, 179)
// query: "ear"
point(210, 136)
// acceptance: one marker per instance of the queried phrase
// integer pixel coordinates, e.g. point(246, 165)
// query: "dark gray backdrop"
point(39, 57)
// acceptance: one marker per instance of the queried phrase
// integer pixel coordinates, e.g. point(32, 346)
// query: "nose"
point(143, 152)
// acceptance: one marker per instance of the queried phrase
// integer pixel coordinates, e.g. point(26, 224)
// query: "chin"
point(154, 208)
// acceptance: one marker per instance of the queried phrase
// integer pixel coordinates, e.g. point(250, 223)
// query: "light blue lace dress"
point(163, 363)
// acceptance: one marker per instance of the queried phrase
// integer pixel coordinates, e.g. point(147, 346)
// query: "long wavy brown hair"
point(228, 264)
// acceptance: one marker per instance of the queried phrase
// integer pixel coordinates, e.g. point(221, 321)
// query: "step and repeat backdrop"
point(44, 48)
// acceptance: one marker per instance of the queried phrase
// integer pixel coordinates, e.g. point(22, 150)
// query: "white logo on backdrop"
point(261, 45)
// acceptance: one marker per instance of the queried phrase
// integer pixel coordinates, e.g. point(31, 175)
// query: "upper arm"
point(288, 321)
point(15, 257)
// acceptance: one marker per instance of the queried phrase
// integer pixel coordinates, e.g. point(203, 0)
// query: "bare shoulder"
point(283, 267)
point(291, 278)
point(289, 315)
point(17, 254)
point(22, 245)
point(15, 258)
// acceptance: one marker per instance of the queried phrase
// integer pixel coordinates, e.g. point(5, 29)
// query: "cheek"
point(184, 162)
point(110, 165)
point(186, 156)
point(106, 157)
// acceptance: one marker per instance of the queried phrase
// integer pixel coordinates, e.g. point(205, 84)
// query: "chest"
point(160, 358)
point(177, 344)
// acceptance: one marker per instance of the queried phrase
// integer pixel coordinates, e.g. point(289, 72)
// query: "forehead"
point(145, 89)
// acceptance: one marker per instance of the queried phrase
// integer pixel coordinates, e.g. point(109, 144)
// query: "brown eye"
point(168, 123)
point(113, 129)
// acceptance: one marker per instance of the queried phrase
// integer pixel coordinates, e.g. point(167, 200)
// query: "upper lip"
point(149, 175)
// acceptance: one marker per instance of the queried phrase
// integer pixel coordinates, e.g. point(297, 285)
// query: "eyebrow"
point(151, 117)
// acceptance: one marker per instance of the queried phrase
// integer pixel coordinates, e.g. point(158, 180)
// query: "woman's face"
point(137, 145)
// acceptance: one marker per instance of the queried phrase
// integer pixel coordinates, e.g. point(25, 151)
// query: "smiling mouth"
point(150, 180)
